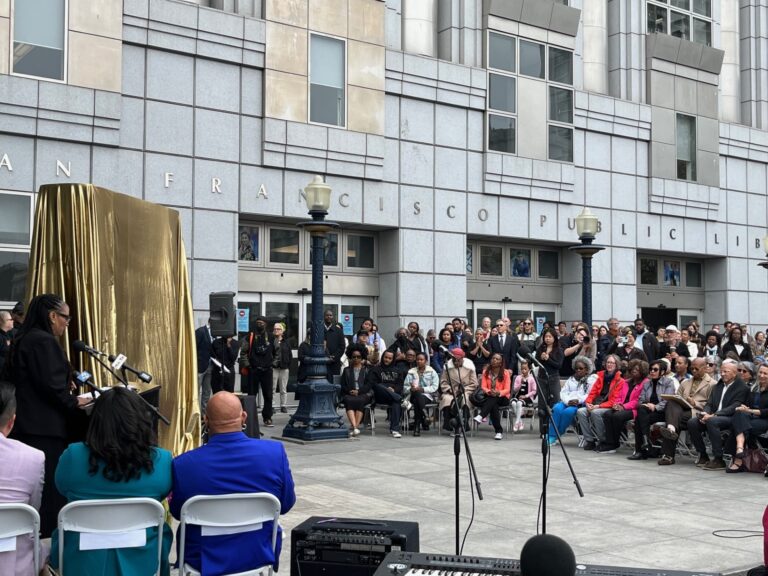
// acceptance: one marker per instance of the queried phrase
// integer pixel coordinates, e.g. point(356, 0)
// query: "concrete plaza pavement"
point(633, 513)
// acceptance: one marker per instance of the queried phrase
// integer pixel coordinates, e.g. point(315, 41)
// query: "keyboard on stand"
point(421, 564)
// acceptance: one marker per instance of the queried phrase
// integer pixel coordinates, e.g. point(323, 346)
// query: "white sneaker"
point(396, 434)
point(356, 432)
point(498, 436)
point(479, 419)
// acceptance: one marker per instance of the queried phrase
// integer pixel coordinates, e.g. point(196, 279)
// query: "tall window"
point(326, 81)
point(687, 19)
point(38, 38)
point(15, 237)
point(686, 147)
point(510, 57)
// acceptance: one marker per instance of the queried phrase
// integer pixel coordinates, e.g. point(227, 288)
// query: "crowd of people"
point(51, 454)
point(599, 379)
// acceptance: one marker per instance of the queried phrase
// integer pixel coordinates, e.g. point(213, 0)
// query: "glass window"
point(693, 275)
point(14, 219)
point(531, 59)
point(331, 250)
point(671, 273)
point(469, 259)
point(520, 263)
point(703, 7)
point(560, 105)
point(560, 66)
point(686, 147)
point(13, 275)
point(501, 133)
point(501, 93)
point(490, 260)
point(679, 25)
point(684, 4)
point(38, 38)
point(702, 32)
point(360, 251)
point(560, 143)
point(357, 313)
point(549, 264)
point(283, 246)
point(288, 314)
point(251, 311)
point(327, 77)
point(657, 19)
point(649, 271)
point(248, 244)
point(501, 52)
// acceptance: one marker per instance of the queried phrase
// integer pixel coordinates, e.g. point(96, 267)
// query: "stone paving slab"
point(633, 513)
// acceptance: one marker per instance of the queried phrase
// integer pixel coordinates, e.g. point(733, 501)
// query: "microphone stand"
point(460, 432)
point(545, 420)
point(124, 381)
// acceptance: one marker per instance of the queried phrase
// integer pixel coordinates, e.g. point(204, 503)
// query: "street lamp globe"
point(318, 195)
point(586, 225)
point(765, 245)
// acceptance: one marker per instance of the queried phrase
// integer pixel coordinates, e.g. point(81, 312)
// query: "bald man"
point(231, 463)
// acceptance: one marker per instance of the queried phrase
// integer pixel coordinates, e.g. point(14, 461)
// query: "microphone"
point(84, 378)
point(437, 347)
point(118, 362)
point(81, 346)
point(525, 351)
point(547, 555)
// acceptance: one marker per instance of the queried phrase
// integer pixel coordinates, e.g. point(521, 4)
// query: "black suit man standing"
point(505, 344)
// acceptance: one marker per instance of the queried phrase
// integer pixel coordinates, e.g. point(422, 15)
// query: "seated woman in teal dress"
point(117, 460)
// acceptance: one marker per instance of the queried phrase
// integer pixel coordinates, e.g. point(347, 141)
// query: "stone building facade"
point(460, 137)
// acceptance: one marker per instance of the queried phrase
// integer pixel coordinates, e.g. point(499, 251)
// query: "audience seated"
point(21, 481)
point(625, 409)
point(729, 393)
point(605, 392)
point(355, 388)
point(523, 393)
point(695, 391)
point(386, 382)
point(496, 383)
point(572, 396)
point(117, 460)
point(456, 375)
point(420, 388)
point(749, 421)
point(231, 463)
point(650, 409)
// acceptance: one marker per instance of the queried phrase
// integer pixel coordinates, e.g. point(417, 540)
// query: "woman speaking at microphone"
point(551, 357)
point(47, 410)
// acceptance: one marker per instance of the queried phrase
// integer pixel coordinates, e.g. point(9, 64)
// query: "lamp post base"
point(316, 417)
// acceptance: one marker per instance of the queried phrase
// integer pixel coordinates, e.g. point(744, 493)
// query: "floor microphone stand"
point(545, 421)
point(459, 432)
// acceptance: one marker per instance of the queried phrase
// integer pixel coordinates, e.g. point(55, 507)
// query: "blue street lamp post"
point(586, 228)
point(316, 417)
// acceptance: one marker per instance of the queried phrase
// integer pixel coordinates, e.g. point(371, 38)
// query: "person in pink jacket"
point(626, 409)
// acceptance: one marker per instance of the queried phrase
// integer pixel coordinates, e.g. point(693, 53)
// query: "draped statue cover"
point(119, 263)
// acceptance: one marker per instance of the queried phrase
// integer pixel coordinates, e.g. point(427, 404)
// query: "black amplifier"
point(323, 546)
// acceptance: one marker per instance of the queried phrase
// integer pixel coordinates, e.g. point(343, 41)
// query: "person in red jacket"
point(496, 382)
point(605, 392)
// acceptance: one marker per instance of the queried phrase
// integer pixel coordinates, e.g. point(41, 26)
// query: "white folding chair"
point(229, 514)
point(17, 520)
point(110, 524)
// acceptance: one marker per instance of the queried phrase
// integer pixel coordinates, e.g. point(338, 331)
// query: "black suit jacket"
point(334, 346)
point(509, 352)
point(41, 373)
point(735, 395)
point(203, 341)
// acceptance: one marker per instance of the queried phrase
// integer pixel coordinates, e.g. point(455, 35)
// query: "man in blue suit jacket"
point(231, 463)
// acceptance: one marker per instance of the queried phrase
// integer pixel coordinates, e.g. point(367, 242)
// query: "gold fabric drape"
point(119, 263)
